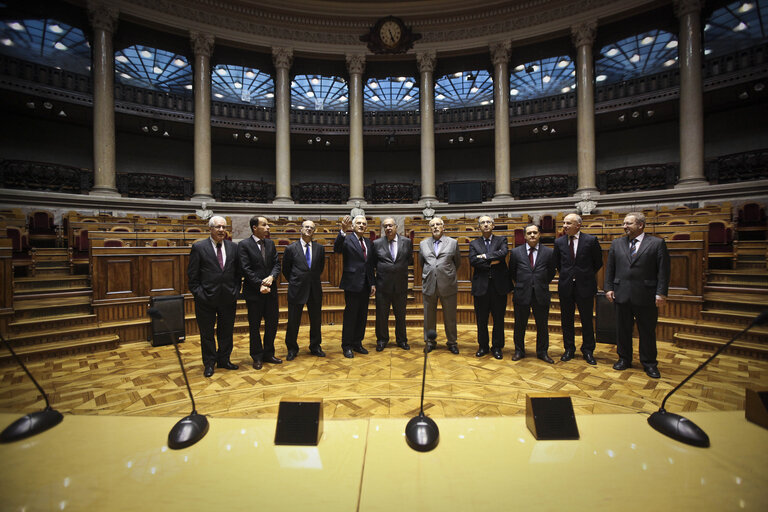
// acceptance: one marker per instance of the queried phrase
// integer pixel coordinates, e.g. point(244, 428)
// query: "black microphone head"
point(431, 335)
point(155, 313)
point(761, 318)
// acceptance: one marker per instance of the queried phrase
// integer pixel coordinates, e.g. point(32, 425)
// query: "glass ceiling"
point(736, 26)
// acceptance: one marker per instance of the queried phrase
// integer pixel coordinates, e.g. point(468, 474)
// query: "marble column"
point(103, 20)
point(691, 95)
point(202, 45)
point(356, 66)
point(426, 62)
point(283, 59)
point(583, 39)
point(500, 58)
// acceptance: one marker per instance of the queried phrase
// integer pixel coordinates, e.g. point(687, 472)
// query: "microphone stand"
point(681, 428)
point(421, 432)
point(190, 429)
point(34, 422)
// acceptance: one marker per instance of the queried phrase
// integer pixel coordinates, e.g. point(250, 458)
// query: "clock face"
point(390, 33)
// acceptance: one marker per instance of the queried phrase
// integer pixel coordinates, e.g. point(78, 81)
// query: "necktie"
point(308, 256)
point(365, 253)
point(530, 255)
point(573, 253)
point(219, 256)
point(633, 248)
point(437, 247)
point(487, 245)
point(392, 249)
point(261, 248)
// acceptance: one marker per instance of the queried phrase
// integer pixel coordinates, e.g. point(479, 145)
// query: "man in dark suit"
point(578, 257)
point(303, 262)
point(490, 285)
point(394, 254)
point(637, 281)
point(260, 267)
point(531, 269)
point(357, 281)
point(214, 280)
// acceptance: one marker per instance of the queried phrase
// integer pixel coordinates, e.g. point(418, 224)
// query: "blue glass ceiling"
point(467, 89)
point(47, 42)
point(635, 56)
point(544, 77)
point(392, 93)
point(241, 84)
point(315, 92)
point(736, 26)
point(153, 69)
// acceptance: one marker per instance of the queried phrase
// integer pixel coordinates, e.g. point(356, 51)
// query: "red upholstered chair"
point(113, 242)
point(547, 224)
point(519, 236)
point(373, 235)
point(681, 236)
point(751, 214)
point(41, 223)
point(18, 238)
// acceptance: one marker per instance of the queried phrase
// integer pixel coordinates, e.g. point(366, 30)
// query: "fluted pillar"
point(500, 58)
point(583, 39)
point(103, 20)
point(283, 59)
point(202, 46)
point(691, 102)
point(356, 66)
point(426, 62)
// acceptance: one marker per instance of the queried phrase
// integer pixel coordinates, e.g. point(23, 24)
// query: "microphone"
point(34, 422)
point(421, 432)
point(680, 428)
point(190, 429)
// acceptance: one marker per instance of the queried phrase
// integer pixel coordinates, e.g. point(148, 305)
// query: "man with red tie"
point(214, 279)
point(357, 281)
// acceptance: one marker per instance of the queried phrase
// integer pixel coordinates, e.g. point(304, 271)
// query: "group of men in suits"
point(636, 280)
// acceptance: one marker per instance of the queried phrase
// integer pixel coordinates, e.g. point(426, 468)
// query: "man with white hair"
point(214, 280)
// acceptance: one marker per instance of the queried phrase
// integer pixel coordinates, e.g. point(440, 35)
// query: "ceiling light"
point(401, 79)
point(155, 128)
point(30, 104)
point(563, 63)
point(300, 107)
point(238, 85)
point(565, 90)
point(126, 76)
point(535, 130)
point(745, 7)
point(474, 89)
point(635, 114)
point(707, 51)
point(310, 94)
point(269, 95)
point(56, 29)
point(315, 81)
point(759, 86)
point(327, 143)
point(407, 97)
point(60, 46)
point(121, 58)
point(145, 129)
point(146, 54)
point(165, 133)
point(601, 78)
point(740, 27)
point(621, 118)
point(373, 85)
point(635, 58)
point(7, 42)
point(707, 27)
point(521, 67)
point(650, 113)
point(552, 131)
point(221, 71)
point(179, 63)
point(310, 141)
point(293, 84)
point(188, 87)
point(457, 75)
point(374, 98)
point(514, 92)
point(409, 84)
point(250, 74)
point(671, 44)
point(48, 105)
point(647, 40)
point(546, 79)
point(342, 98)
point(545, 127)
point(234, 136)
point(743, 95)
point(15, 25)
point(440, 97)
point(219, 95)
point(612, 52)
point(670, 62)
point(485, 102)
point(156, 70)
point(247, 135)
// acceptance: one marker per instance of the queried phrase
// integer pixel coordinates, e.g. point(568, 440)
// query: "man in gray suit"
point(637, 281)
point(531, 269)
point(440, 259)
point(393, 256)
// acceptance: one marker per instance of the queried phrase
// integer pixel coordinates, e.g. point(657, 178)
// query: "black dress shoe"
point(404, 345)
point(291, 355)
point(272, 359)
point(454, 349)
point(482, 352)
point(622, 364)
point(348, 353)
point(360, 349)
point(518, 355)
point(228, 365)
point(496, 353)
point(652, 371)
point(546, 358)
point(257, 364)
point(208, 372)
point(589, 358)
point(317, 352)
point(380, 346)
point(567, 355)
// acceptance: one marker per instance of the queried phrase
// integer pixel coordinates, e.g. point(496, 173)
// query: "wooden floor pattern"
point(140, 380)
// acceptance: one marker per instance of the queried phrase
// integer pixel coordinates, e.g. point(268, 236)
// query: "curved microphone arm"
point(24, 367)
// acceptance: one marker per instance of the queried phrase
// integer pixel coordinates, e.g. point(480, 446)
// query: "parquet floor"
point(140, 380)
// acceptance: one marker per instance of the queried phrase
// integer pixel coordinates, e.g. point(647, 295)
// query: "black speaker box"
point(299, 422)
point(550, 417)
point(605, 320)
point(171, 326)
point(756, 409)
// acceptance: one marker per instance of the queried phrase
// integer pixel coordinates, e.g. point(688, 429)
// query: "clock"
point(390, 35)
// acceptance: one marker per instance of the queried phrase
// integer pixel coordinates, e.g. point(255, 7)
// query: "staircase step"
point(747, 348)
point(58, 348)
point(31, 302)
point(50, 319)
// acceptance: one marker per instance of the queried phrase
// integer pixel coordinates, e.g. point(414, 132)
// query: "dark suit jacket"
point(358, 274)
point(255, 268)
point(483, 272)
point(208, 282)
point(528, 280)
point(392, 276)
point(638, 280)
point(304, 282)
point(580, 274)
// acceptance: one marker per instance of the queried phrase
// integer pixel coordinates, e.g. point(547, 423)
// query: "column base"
point(104, 191)
point(432, 199)
point(202, 197)
point(691, 182)
point(283, 200)
point(503, 197)
point(354, 200)
point(591, 190)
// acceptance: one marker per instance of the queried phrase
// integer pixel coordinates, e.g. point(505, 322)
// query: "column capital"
point(426, 61)
point(282, 57)
point(683, 7)
point(355, 63)
point(584, 34)
point(500, 52)
point(102, 16)
point(202, 44)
